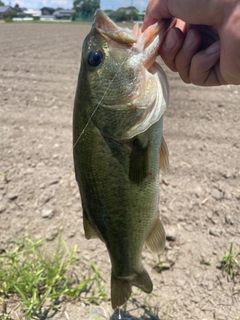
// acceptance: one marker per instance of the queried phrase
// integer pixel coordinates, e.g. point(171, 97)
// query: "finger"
point(171, 46)
point(209, 35)
point(184, 57)
point(205, 69)
point(192, 11)
point(230, 53)
point(154, 12)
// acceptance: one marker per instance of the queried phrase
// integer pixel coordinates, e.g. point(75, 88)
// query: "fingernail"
point(170, 40)
point(189, 39)
point(214, 48)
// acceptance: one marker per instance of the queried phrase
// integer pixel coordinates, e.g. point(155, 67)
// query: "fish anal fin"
point(120, 291)
point(164, 156)
point(138, 168)
point(143, 281)
point(90, 233)
point(157, 238)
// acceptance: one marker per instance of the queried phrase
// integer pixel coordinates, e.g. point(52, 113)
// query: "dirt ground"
point(200, 196)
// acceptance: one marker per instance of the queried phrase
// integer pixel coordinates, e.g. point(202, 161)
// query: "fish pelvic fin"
point(164, 156)
point(90, 233)
point(121, 288)
point(157, 238)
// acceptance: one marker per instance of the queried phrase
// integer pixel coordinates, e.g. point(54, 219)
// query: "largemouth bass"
point(118, 146)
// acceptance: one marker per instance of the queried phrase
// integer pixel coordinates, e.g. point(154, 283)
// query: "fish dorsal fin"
point(164, 156)
point(156, 239)
point(138, 167)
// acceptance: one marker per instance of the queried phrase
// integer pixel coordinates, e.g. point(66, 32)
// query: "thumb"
point(190, 11)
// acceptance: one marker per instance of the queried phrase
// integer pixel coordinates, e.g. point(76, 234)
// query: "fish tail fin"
point(143, 281)
point(157, 237)
point(120, 291)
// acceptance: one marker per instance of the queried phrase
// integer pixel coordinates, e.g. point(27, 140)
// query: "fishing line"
point(119, 314)
point(94, 111)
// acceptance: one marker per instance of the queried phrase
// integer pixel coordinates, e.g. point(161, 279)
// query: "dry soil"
point(200, 196)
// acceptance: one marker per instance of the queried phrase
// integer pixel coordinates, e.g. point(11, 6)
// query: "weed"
point(229, 263)
point(99, 292)
point(40, 280)
point(5, 177)
point(163, 265)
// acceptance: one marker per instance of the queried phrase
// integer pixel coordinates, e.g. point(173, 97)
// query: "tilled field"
point(200, 196)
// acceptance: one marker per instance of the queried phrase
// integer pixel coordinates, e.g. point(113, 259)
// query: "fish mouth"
point(146, 44)
point(106, 27)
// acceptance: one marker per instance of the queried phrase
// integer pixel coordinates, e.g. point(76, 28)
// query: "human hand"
point(203, 46)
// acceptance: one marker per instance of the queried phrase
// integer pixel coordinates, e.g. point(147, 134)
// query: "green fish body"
point(118, 147)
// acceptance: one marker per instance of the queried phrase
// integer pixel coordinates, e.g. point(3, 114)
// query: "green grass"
point(40, 280)
point(230, 264)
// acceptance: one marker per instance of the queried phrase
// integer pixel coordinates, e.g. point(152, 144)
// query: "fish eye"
point(95, 58)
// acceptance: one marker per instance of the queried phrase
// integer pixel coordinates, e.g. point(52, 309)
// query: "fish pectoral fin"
point(143, 281)
point(120, 291)
point(138, 167)
point(164, 156)
point(90, 233)
point(156, 239)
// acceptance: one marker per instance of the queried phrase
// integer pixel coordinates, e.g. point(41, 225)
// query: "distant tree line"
point(128, 14)
point(85, 10)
